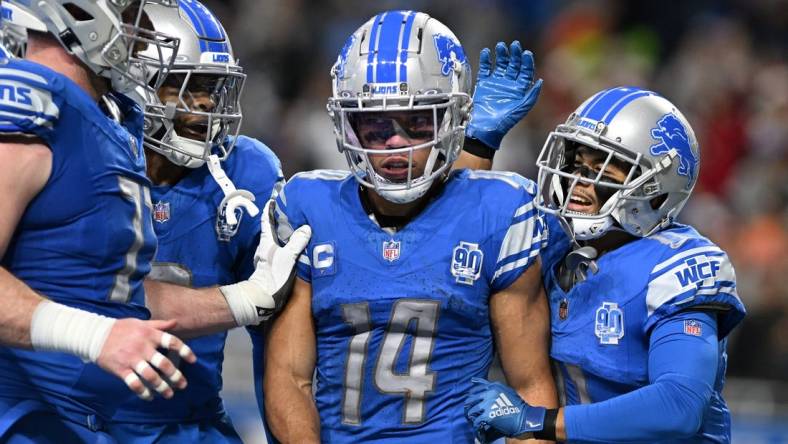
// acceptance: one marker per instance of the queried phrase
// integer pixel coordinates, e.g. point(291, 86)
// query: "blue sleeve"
point(683, 354)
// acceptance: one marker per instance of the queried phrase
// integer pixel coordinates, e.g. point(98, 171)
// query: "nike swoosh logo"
point(532, 424)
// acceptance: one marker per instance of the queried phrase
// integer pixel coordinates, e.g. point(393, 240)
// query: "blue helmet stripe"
point(211, 34)
point(626, 100)
point(404, 43)
point(593, 102)
point(608, 100)
point(388, 48)
point(373, 37)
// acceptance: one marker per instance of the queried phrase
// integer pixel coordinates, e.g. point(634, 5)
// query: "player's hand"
point(495, 411)
point(266, 291)
point(129, 353)
point(504, 95)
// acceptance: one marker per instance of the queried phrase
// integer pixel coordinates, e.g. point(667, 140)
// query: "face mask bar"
point(557, 180)
point(445, 114)
point(222, 121)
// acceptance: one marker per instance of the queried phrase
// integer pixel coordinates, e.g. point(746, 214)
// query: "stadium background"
point(722, 62)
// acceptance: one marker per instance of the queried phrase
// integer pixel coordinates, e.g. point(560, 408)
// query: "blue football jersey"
point(86, 240)
point(402, 318)
point(601, 327)
point(194, 251)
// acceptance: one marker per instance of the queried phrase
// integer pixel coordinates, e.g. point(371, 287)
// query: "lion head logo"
point(671, 134)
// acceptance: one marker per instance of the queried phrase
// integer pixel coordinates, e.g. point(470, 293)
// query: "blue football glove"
point(495, 411)
point(503, 96)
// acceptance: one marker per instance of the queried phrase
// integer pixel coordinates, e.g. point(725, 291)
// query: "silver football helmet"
point(106, 35)
point(407, 74)
point(632, 127)
point(202, 88)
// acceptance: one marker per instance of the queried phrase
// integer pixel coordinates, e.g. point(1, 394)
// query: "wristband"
point(57, 327)
point(548, 430)
point(478, 148)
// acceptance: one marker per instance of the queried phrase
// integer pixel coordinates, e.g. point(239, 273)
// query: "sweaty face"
point(390, 130)
point(200, 96)
point(589, 198)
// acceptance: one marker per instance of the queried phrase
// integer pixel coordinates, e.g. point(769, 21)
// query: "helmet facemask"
point(427, 130)
point(197, 108)
point(560, 176)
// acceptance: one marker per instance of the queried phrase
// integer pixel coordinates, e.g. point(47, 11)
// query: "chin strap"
point(227, 221)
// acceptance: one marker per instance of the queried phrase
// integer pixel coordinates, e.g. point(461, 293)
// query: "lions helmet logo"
point(449, 52)
point(672, 134)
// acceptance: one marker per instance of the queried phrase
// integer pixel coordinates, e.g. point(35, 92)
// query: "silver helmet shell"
point(204, 52)
point(402, 61)
point(637, 128)
point(106, 35)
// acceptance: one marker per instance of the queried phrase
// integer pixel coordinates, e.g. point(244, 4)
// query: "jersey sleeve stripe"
point(668, 286)
point(23, 76)
point(519, 237)
point(686, 254)
point(517, 264)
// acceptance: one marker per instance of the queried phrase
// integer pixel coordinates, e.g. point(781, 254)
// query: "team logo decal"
point(161, 212)
point(466, 263)
point(609, 325)
point(224, 229)
point(671, 135)
point(391, 250)
point(449, 52)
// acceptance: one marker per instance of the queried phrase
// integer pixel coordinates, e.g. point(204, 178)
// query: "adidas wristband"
point(548, 431)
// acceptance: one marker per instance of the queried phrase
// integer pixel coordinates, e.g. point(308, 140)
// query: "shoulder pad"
point(27, 104)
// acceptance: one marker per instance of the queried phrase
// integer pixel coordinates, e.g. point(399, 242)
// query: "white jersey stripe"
point(678, 257)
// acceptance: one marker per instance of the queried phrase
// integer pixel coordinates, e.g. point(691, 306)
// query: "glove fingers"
point(298, 241)
point(515, 60)
point(501, 59)
point(527, 68)
point(485, 63)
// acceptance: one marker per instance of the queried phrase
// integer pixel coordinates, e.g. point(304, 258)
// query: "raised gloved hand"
point(495, 411)
point(267, 289)
point(503, 96)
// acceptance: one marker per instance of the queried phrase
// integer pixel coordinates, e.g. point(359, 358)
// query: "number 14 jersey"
point(402, 318)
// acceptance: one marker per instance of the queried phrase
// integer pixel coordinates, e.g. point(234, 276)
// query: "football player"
point(75, 236)
point(192, 150)
point(641, 305)
point(413, 272)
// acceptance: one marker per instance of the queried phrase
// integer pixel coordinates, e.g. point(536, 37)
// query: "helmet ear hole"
point(658, 201)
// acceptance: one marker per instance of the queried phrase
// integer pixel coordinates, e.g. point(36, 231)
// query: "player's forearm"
point(19, 303)
point(290, 411)
point(198, 311)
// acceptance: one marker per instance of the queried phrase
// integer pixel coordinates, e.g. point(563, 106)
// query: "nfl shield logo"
point(161, 212)
point(391, 250)
point(692, 327)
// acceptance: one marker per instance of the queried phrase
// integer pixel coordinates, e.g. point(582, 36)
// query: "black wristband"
point(478, 148)
point(548, 431)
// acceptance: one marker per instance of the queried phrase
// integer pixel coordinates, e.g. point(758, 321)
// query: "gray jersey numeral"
point(139, 195)
point(417, 381)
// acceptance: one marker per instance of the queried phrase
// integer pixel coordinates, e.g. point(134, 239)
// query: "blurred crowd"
point(723, 63)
